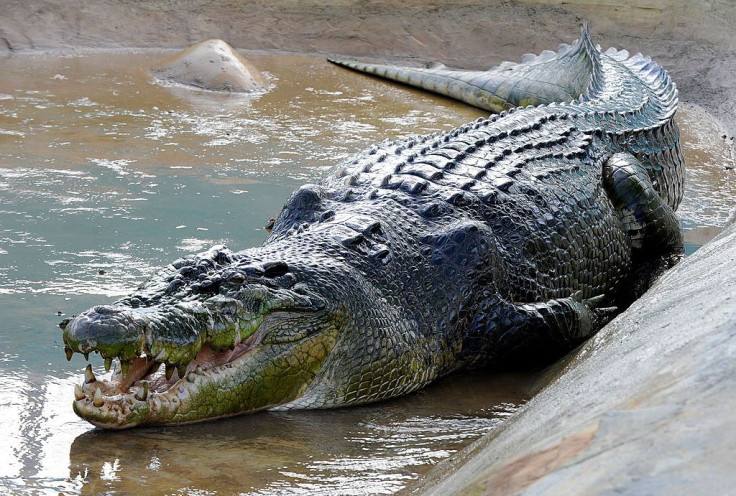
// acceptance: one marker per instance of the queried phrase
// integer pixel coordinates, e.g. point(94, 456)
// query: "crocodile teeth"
point(69, 353)
point(191, 377)
point(108, 364)
point(98, 401)
point(89, 376)
point(78, 392)
point(181, 370)
point(86, 356)
point(142, 393)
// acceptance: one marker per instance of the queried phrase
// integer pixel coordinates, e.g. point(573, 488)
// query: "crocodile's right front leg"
point(652, 226)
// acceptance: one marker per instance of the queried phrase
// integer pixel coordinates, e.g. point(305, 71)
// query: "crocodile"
point(502, 243)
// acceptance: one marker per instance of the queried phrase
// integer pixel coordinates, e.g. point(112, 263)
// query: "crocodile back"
point(628, 101)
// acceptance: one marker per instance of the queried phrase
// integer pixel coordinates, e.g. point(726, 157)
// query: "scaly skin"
point(506, 241)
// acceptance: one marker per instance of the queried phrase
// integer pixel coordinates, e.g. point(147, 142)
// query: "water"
point(105, 176)
point(710, 186)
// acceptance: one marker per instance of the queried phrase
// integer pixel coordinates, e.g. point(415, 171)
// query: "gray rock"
point(212, 65)
point(644, 407)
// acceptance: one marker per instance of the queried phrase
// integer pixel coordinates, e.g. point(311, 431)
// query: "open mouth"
point(145, 374)
point(144, 386)
point(187, 360)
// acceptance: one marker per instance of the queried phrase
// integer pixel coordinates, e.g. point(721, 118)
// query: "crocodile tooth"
point(98, 401)
point(142, 393)
point(108, 364)
point(181, 370)
point(86, 356)
point(78, 392)
point(89, 376)
point(124, 367)
point(199, 370)
point(69, 353)
point(191, 377)
point(169, 371)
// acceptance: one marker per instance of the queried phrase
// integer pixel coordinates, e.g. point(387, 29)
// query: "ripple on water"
point(710, 177)
point(386, 455)
point(192, 245)
point(118, 166)
point(37, 427)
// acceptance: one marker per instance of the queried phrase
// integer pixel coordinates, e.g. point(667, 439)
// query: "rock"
point(212, 65)
point(644, 407)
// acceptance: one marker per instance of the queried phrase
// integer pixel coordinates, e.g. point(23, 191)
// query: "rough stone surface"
point(211, 65)
point(644, 407)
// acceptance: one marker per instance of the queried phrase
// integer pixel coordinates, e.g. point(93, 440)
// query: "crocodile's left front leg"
point(523, 334)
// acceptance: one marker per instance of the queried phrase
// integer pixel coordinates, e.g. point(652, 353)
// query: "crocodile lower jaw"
point(112, 404)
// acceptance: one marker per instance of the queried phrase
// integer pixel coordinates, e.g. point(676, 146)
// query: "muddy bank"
point(693, 39)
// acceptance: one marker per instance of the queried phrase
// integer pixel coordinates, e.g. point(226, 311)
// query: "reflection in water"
point(374, 449)
point(105, 176)
point(36, 434)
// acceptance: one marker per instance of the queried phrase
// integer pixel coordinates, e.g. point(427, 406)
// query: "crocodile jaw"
point(255, 377)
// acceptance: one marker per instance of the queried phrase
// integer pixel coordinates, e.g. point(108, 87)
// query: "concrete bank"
point(644, 407)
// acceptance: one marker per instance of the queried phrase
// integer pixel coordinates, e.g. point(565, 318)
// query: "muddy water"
point(105, 176)
point(711, 179)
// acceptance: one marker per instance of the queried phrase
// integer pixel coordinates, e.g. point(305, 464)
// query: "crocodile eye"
point(275, 269)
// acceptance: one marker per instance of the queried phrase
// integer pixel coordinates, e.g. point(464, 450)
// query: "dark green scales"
point(505, 241)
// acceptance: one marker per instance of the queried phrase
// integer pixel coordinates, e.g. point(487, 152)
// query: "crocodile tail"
point(570, 73)
point(662, 86)
point(661, 148)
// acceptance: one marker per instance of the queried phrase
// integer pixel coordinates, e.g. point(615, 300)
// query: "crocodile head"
point(206, 337)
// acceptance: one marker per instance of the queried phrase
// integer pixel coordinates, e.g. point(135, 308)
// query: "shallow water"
point(105, 176)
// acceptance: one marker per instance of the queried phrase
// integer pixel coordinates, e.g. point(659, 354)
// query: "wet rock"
point(212, 65)
point(644, 407)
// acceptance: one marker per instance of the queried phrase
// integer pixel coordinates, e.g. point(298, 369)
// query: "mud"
point(692, 39)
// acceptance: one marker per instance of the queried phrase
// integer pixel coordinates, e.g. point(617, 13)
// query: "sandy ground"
point(693, 39)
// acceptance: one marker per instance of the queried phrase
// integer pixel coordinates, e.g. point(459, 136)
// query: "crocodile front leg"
point(522, 334)
point(652, 226)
